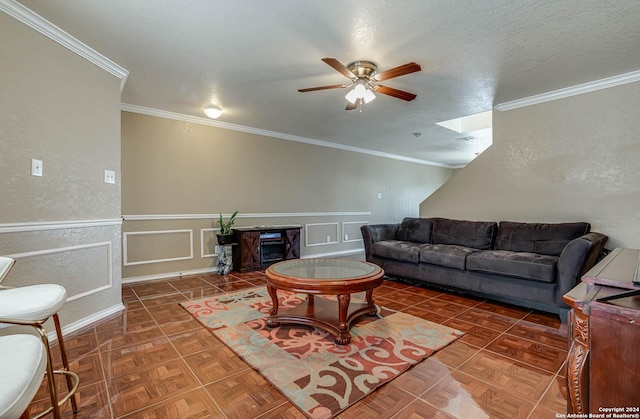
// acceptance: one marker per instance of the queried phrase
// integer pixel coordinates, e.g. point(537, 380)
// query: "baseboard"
point(341, 253)
point(87, 321)
point(165, 275)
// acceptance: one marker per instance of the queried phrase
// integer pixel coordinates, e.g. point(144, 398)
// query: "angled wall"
point(571, 159)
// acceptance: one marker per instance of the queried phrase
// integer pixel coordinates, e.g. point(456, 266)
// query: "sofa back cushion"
point(545, 239)
point(415, 230)
point(475, 234)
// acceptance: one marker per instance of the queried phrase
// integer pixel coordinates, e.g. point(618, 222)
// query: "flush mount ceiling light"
point(213, 111)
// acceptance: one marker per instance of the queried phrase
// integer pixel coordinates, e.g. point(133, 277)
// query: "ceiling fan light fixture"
point(360, 91)
point(368, 96)
point(352, 96)
point(213, 111)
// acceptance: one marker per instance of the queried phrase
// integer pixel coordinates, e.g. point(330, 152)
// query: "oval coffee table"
point(340, 277)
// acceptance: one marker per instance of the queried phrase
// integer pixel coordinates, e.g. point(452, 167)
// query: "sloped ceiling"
point(250, 57)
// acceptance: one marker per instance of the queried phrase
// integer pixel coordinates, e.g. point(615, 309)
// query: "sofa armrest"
point(578, 257)
point(377, 232)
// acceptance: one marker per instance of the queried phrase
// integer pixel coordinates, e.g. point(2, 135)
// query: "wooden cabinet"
point(247, 252)
point(260, 246)
point(604, 336)
point(292, 243)
point(614, 379)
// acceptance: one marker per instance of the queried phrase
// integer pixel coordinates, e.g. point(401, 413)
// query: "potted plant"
point(225, 236)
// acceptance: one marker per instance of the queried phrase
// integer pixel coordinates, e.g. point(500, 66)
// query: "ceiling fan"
point(364, 80)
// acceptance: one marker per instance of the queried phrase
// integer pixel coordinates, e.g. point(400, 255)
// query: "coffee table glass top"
point(323, 268)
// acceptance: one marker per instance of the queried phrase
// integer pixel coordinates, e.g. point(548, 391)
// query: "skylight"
point(468, 123)
point(476, 132)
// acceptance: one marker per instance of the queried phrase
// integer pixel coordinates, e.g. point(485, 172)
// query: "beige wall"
point(63, 227)
point(573, 159)
point(180, 170)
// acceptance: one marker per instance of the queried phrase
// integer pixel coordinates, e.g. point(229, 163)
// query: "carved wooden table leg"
point(273, 292)
point(578, 363)
point(343, 307)
point(369, 296)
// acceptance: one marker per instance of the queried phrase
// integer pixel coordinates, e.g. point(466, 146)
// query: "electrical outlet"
point(36, 167)
point(109, 176)
point(328, 239)
point(379, 195)
point(346, 237)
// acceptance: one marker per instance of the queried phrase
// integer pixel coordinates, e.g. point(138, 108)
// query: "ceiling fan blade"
point(351, 106)
point(333, 86)
point(400, 94)
point(397, 71)
point(340, 68)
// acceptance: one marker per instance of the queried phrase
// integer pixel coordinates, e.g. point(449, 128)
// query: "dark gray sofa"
point(528, 264)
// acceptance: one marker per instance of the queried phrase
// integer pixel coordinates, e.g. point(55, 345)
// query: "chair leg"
point(65, 361)
point(50, 377)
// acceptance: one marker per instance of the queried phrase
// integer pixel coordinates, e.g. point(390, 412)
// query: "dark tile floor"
point(154, 360)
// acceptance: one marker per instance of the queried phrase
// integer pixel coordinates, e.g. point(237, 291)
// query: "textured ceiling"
point(251, 57)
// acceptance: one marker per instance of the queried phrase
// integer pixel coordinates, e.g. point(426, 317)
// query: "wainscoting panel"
point(84, 256)
point(161, 246)
point(321, 234)
point(83, 270)
point(208, 242)
point(157, 246)
point(351, 231)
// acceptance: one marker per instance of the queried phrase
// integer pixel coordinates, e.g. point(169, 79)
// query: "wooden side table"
point(604, 334)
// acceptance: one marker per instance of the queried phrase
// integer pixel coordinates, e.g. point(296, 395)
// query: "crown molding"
point(48, 29)
point(579, 89)
point(235, 127)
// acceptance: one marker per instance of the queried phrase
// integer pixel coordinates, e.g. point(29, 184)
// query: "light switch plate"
point(109, 176)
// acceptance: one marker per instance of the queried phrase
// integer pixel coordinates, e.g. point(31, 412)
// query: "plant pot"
point(225, 238)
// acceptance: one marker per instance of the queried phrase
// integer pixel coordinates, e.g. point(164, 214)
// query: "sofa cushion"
point(546, 239)
point(449, 255)
point(397, 249)
point(475, 234)
point(532, 266)
point(415, 230)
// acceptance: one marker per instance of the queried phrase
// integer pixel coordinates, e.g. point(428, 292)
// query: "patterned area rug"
point(318, 376)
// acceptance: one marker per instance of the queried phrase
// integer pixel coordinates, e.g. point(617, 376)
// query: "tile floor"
point(155, 361)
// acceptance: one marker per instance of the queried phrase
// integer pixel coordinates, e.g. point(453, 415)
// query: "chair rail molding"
point(56, 225)
point(150, 217)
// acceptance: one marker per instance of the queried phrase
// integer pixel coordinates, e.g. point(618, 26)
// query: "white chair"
point(23, 361)
point(32, 306)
